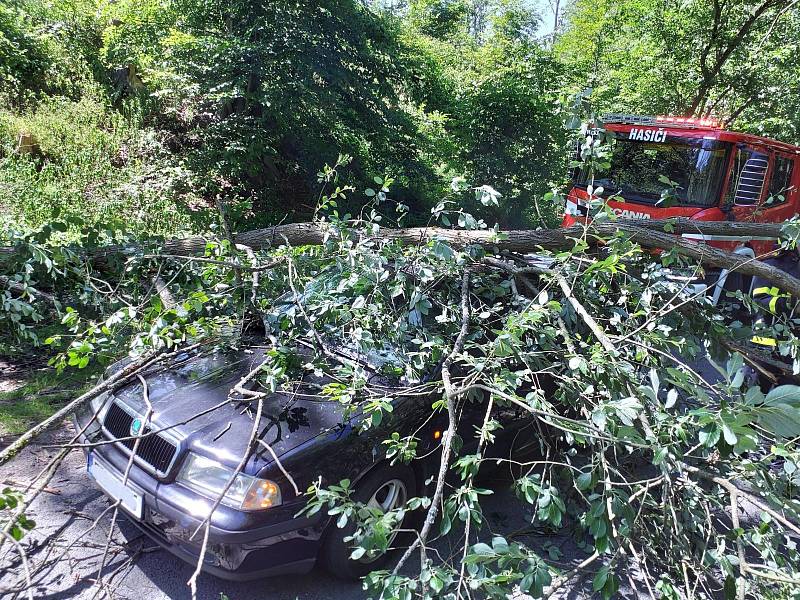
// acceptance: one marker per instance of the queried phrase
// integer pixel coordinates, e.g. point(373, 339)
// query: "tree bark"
point(527, 240)
point(647, 233)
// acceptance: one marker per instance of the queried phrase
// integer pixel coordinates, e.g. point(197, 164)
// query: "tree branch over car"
point(405, 333)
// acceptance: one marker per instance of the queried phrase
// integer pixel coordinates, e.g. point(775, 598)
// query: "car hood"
point(191, 402)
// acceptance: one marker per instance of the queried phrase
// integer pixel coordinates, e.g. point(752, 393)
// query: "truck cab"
point(662, 167)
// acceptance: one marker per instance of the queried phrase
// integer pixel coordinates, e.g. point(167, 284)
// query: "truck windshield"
point(638, 170)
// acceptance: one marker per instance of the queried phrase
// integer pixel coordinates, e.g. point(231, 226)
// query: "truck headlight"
point(208, 478)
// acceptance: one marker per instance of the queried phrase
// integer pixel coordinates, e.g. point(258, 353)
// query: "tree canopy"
point(735, 59)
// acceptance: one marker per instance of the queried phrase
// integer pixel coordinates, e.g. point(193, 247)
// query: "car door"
point(780, 200)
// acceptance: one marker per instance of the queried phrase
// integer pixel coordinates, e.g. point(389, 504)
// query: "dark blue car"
point(189, 447)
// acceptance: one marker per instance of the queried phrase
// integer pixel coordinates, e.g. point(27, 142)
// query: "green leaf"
point(599, 581)
point(527, 582)
point(727, 433)
point(709, 435)
point(16, 533)
point(442, 250)
point(500, 545)
point(672, 398)
point(584, 481)
point(446, 523)
point(729, 588)
point(781, 419)
point(754, 395)
point(482, 549)
point(783, 394)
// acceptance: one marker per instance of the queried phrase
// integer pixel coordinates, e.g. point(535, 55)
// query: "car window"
point(780, 184)
point(747, 177)
point(638, 170)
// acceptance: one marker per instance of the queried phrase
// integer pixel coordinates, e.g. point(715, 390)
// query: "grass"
point(90, 164)
point(41, 395)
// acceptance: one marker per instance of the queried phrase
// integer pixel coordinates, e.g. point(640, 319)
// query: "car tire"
point(377, 485)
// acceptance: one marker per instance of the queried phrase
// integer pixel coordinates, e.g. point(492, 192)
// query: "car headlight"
point(208, 478)
point(98, 401)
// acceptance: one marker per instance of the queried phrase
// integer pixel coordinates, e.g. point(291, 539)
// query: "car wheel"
point(386, 487)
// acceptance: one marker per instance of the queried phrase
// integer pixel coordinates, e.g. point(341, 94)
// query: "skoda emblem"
point(136, 426)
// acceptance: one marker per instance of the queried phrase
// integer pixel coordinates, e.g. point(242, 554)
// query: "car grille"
point(154, 450)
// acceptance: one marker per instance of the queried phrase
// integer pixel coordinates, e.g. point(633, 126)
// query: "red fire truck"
point(710, 174)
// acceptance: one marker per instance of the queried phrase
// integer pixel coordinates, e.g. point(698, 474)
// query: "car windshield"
point(639, 171)
point(324, 287)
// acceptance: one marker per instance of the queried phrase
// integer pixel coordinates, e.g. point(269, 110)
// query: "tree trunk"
point(647, 233)
point(526, 240)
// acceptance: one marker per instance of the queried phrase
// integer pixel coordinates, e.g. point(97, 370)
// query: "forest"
point(356, 208)
point(148, 111)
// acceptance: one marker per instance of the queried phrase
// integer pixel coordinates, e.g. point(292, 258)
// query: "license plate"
point(112, 485)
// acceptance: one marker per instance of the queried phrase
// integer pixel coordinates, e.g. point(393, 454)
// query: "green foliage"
point(67, 149)
point(438, 18)
point(638, 448)
point(270, 104)
point(159, 108)
point(90, 165)
point(144, 116)
point(23, 58)
point(511, 133)
point(41, 55)
point(10, 499)
point(736, 60)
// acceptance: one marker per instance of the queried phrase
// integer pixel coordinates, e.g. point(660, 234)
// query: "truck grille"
point(154, 450)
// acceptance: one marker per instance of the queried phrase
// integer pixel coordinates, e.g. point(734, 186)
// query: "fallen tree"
point(648, 460)
point(655, 234)
point(300, 234)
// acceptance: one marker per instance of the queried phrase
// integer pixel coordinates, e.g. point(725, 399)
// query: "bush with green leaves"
point(90, 164)
point(173, 105)
point(260, 108)
point(43, 51)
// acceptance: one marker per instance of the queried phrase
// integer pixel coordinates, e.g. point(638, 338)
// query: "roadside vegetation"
point(140, 140)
